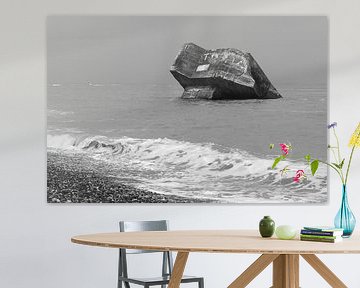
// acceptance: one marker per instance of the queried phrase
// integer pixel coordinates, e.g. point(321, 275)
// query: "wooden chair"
point(167, 262)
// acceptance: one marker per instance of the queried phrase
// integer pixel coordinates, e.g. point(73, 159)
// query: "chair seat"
point(158, 280)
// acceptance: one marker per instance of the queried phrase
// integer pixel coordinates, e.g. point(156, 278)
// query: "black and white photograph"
point(186, 109)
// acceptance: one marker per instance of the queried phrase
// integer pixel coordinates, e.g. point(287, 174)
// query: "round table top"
point(217, 241)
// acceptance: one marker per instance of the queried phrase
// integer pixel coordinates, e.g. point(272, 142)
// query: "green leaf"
point(277, 160)
point(336, 165)
point(314, 166)
point(271, 146)
point(342, 163)
point(285, 170)
point(307, 158)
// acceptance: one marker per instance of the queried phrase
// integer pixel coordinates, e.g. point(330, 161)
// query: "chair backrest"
point(134, 226)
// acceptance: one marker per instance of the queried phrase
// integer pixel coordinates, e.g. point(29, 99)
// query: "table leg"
point(253, 270)
point(324, 271)
point(286, 271)
point(178, 269)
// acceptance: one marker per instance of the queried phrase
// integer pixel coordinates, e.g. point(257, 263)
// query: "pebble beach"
point(75, 179)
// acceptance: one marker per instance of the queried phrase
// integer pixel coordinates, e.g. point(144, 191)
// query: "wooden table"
point(284, 254)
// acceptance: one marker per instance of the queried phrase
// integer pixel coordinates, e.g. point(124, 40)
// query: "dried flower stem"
point(336, 169)
point(340, 159)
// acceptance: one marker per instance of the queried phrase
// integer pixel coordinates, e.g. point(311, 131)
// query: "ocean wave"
point(57, 113)
point(64, 141)
point(194, 169)
point(163, 153)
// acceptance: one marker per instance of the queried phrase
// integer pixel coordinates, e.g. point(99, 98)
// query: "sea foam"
point(194, 169)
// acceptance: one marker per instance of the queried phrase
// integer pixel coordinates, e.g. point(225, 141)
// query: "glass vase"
point(345, 219)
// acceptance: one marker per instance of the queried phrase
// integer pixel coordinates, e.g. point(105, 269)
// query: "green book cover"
point(319, 236)
point(321, 239)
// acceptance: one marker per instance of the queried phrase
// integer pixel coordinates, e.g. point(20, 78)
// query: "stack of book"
point(321, 234)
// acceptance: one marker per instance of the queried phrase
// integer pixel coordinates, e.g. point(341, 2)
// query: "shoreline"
point(74, 179)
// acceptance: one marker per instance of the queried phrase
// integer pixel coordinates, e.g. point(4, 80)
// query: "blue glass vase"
point(345, 219)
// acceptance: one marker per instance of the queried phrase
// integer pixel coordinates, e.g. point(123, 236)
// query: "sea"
point(217, 150)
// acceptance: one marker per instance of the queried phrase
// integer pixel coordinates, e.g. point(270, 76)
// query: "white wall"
point(35, 248)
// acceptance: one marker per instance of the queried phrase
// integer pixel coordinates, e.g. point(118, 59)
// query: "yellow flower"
point(355, 138)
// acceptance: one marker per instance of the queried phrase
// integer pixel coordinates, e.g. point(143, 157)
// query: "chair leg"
point(201, 283)
point(126, 284)
point(120, 270)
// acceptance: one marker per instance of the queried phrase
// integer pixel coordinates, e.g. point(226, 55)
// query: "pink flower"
point(299, 175)
point(284, 148)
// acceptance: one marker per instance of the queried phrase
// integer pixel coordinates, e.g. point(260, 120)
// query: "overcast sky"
point(140, 49)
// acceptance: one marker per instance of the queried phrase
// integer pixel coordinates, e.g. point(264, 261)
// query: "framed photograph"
point(182, 109)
